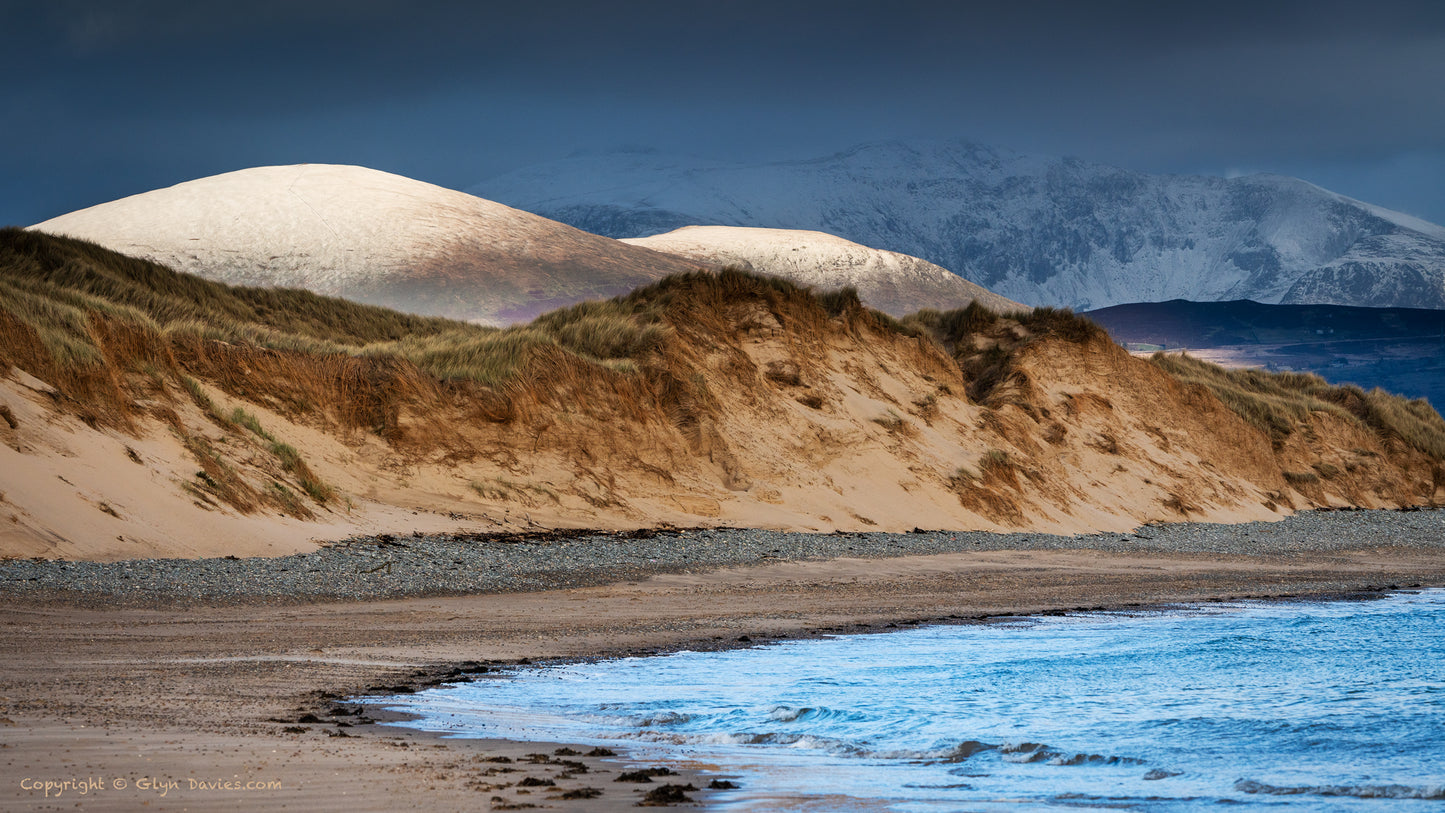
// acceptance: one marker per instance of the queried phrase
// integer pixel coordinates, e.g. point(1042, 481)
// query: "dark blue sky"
point(106, 98)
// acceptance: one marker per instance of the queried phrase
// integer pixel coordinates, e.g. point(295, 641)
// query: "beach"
point(231, 696)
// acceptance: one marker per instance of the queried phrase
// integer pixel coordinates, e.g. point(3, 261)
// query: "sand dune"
point(757, 406)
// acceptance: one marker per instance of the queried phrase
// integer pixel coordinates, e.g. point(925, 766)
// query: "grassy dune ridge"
point(54, 285)
point(703, 397)
point(85, 316)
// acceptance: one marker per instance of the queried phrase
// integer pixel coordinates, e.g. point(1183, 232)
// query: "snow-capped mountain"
point(369, 236)
point(387, 240)
point(1038, 230)
point(893, 283)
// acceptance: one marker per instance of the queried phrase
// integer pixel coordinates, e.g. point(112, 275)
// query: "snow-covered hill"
point(369, 236)
point(893, 283)
point(1041, 231)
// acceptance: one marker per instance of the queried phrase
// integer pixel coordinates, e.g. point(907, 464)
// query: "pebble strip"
point(387, 566)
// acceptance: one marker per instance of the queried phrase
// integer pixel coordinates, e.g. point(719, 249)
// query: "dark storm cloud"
point(120, 97)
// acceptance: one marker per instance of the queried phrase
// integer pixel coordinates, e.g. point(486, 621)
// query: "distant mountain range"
point(1038, 230)
point(387, 240)
point(1398, 349)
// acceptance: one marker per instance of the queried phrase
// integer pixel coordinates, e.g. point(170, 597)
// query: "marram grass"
point(79, 312)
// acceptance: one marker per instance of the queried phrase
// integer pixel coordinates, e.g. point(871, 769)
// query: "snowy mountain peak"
point(370, 236)
point(894, 283)
point(1037, 230)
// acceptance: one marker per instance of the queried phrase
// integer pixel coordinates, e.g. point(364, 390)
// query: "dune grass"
point(986, 345)
point(1273, 402)
point(1279, 403)
point(290, 459)
point(56, 286)
point(952, 327)
point(76, 275)
point(86, 317)
point(1413, 421)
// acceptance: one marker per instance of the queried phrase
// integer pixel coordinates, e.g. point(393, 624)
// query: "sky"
point(108, 98)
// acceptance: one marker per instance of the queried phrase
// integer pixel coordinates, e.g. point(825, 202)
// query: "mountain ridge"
point(387, 240)
point(1036, 230)
point(370, 236)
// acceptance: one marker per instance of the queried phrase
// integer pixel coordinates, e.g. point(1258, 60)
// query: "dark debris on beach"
point(387, 566)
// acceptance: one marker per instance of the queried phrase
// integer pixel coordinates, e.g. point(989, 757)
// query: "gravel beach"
point(420, 565)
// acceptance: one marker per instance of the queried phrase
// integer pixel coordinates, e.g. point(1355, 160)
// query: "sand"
point(146, 697)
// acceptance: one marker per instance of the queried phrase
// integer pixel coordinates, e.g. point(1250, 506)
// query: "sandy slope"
point(369, 236)
point(71, 491)
point(894, 283)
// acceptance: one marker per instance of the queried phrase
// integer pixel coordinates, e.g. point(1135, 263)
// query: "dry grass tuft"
point(951, 328)
point(290, 458)
point(1414, 422)
point(291, 461)
point(1276, 403)
point(1062, 323)
point(217, 479)
point(1280, 403)
point(204, 402)
point(993, 491)
point(986, 345)
point(840, 302)
point(893, 422)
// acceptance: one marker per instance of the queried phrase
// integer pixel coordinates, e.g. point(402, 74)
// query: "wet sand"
point(203, 696)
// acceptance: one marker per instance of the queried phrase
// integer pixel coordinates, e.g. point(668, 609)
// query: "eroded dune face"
point(368, 236)
point(760, 408)
point(894, 283)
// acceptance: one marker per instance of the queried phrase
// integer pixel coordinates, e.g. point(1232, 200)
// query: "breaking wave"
point(1160, 711)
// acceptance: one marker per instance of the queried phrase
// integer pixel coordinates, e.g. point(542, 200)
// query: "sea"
point(1304, 705)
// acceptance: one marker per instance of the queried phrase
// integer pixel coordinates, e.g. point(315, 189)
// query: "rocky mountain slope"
point(1040, 231)
point(149, 413)
point(896, 284)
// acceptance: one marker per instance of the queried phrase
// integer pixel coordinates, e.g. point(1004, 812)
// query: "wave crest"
point(1353, 791)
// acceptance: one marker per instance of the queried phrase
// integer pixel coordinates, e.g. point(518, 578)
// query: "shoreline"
point(183, 691)
point(699, 778)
